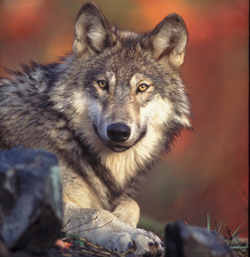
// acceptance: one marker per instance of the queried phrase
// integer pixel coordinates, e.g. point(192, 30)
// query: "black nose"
point(118, 132)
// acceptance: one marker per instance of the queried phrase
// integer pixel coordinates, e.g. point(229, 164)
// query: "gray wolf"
point(107, 110)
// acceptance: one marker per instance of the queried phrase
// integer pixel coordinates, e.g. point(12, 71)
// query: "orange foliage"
point(22, 18)
point(61, 244)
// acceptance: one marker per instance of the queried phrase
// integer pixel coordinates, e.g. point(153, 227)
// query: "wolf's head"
point(127, 83)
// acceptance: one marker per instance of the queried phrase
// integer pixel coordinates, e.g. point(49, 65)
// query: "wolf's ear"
point(169, 39)
point(92, 30)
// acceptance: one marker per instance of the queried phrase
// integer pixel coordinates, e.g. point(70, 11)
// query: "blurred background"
point(207, 170)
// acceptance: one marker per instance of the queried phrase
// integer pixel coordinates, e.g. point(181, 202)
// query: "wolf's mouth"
point(118, 148)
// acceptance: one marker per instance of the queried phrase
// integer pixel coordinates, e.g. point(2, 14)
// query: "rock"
point(30, 199)
point(8, 191)
point(191, 241)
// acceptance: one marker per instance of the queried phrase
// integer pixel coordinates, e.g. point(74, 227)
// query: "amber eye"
point(143, 87)
point(102, 83)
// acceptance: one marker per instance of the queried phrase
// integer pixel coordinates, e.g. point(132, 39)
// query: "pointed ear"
point(92, 30)
point(169, 39)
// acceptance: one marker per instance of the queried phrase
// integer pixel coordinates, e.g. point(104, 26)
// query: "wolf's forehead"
point(132, 78)
point(126, 62)
point(129, 48)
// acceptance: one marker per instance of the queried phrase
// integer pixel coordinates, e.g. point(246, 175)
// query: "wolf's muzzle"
point(118, 132)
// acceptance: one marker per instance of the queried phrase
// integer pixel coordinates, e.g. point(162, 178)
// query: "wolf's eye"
point(142, 87)
point(102, 84)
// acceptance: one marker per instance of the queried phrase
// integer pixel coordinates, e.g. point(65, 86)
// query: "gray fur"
point(62, 108)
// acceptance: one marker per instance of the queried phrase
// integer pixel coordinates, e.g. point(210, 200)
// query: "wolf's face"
point(132, 87)
point(126, 89)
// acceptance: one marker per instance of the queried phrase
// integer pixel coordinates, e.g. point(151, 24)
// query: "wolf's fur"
point(69, 107)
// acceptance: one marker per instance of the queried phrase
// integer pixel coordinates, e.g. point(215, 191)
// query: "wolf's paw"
point(148, 243)
point(141, 241)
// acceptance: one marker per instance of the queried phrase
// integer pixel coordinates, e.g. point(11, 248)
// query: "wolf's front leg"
point(103, 228)
point(128, 212)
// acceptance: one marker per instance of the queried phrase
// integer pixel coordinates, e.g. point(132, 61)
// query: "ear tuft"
point(169, 39)
point(92, 30)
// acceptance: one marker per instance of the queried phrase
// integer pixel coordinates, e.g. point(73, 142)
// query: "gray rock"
point(30, 199)
point(190, 241)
